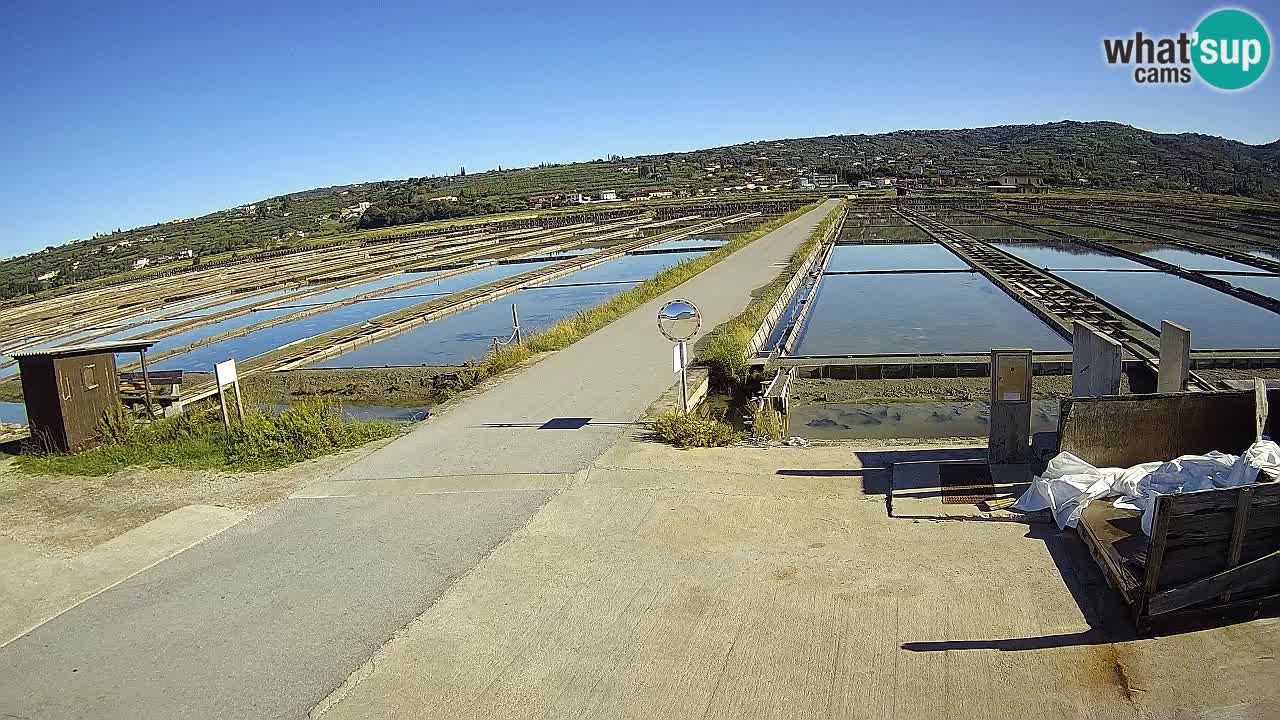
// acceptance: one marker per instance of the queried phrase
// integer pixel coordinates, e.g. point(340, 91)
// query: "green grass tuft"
point(197, 441)
point(307, 430)
point(686, 431)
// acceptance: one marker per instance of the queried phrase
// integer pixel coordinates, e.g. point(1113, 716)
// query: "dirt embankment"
point(60, 515)
point(11, 390)
point(966, 389)
point(414, 387)
point(398, 387)
point(969, 389)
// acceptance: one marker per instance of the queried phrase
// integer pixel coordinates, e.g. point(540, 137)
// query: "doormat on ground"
point(965, 483)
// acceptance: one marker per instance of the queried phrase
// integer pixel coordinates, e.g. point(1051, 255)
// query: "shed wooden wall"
point(44, 406)
point(82, 408)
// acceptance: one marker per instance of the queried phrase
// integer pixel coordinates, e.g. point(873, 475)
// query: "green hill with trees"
point(1077, 155)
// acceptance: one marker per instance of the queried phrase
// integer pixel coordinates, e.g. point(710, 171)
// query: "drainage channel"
point(1054, 300)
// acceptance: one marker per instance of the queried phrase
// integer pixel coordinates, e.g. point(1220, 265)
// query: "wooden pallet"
point(1213, 556)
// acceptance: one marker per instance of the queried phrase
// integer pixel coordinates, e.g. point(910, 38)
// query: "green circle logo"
point(1232, 49)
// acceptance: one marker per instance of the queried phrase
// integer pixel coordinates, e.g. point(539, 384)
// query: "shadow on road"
point(559, 423)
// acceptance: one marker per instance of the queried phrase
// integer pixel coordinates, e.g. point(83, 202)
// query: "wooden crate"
point(1211, 554)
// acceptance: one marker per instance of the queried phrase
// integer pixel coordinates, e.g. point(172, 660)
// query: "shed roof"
point(86, 349)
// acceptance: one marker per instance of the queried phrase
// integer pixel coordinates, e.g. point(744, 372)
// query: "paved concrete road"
point(266, 619)
point(262, 620)
point(772, 583)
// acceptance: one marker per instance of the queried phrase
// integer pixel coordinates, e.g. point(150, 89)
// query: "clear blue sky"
point(122, 114)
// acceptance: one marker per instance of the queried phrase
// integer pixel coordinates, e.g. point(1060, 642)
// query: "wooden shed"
point(68, 389)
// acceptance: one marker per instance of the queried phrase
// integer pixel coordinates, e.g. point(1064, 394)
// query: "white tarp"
point(1069, 484)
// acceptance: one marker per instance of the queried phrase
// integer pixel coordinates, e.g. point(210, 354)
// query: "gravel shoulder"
point(60, 516)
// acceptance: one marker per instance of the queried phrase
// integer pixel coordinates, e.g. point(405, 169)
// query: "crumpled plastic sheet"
point(1069, 484)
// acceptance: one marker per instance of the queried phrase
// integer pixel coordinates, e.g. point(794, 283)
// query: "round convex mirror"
point(679, 320)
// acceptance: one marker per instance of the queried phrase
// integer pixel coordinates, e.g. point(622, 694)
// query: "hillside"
point(1095, 155)
point(1098, 155)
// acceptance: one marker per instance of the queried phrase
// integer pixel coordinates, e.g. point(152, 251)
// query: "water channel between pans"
point(269, 338)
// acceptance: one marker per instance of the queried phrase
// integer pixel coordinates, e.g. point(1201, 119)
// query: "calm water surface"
point(1216, 320)
point(935, 313)
point(901, 256)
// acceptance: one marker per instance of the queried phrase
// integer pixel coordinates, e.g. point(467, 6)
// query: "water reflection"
point(898, 256)
point(12, 412)
point(1216, 320)
point(1067, 256)
point(468, 335)
point(267, 339)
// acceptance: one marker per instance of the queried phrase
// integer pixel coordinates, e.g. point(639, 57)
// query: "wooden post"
point(222, 400)
point(515, 319)
point(1155, 562)
point(146, 383)
point(239, 402)
point(1239, 525)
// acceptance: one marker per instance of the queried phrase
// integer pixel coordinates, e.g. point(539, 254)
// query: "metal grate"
point(965, 483)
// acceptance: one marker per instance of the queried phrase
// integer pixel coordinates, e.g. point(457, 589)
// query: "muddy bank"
point(967, 389)
point(1220, 375)
point(410, 387)
point(924, 420)
point(930, 408)
point(974, 389)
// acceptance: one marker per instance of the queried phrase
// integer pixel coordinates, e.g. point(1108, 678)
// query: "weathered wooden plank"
point(1109, 534)
point(1156, 427)
point(1243, 499)
point(1200, 616)
point(1266, 495)
point(1257, 574)
point(1202, 526)
point(1155, 557)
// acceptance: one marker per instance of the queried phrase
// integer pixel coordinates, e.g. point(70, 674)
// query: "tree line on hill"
point(1093, 155)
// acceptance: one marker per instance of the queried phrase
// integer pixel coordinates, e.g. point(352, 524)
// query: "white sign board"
point(225, 372)
point(679, 357)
